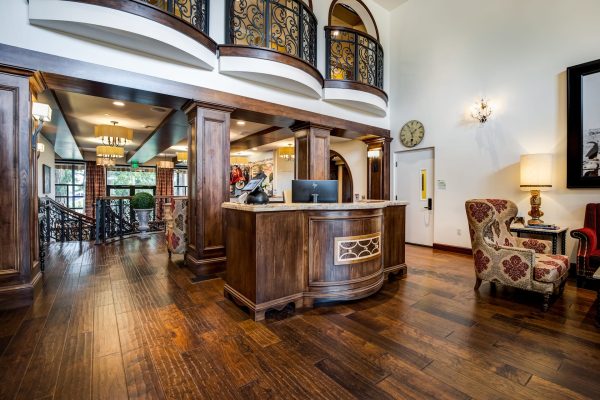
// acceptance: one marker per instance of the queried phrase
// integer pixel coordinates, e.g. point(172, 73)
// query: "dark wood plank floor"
point(122, 321)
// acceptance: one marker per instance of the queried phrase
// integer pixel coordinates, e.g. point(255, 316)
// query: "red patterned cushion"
point(549, 267)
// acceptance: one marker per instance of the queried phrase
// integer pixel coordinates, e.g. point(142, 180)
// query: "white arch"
point(363, 13)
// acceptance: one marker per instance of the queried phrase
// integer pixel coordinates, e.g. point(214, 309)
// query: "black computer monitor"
point(302, 191)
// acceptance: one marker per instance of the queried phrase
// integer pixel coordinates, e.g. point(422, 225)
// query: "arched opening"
point(354, 54)
point(353, 14)
point(340, 170)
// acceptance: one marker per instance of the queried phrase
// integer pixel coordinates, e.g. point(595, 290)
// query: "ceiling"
point(239, 129)
point(390, 4)
point(83, 112)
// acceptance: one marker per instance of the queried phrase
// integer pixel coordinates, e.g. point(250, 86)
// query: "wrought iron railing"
point(353, 56)
point(62, 224)
point(287, 26)
point(194, 12)
point(115, 217)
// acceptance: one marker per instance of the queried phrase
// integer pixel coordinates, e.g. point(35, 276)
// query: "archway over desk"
point(340, 170)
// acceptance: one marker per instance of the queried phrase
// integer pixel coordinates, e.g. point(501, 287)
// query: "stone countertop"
point(273, 207)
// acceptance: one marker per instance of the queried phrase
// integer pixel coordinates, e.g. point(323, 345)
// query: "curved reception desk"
point(279, 254)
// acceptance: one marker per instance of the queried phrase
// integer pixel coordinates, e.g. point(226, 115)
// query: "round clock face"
point(412, 133)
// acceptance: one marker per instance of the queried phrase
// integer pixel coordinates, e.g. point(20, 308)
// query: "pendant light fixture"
point(182, 156)
point(113, 135)
point(110, 151)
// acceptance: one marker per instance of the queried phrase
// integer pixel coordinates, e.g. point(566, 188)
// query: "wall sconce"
point(40, 147)
point(481, 110)
point(374, 153)
point(41, 113)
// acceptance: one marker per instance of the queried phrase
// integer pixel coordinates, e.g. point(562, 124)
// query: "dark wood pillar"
point(378, 176)
point(208, 175)
point(312, 151)
point(19, 250)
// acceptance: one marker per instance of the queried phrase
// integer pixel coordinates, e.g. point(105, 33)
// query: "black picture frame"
point(575, 134)
point(46, 179)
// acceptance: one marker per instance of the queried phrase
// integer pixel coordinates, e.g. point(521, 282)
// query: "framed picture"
point(47, 178)
point(583, 125)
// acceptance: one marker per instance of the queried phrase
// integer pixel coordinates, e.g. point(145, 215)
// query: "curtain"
point(95, 186)
point(164, 187)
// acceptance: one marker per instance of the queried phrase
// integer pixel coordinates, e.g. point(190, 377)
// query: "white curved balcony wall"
point(271, 73)
point(363, 101)
point(121, 28)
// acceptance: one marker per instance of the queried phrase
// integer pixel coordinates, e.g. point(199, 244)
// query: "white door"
point(413, 172)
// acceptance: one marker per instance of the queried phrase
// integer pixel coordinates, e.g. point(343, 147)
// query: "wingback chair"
point(501, 257)
point(176, 226)
point(588, 253)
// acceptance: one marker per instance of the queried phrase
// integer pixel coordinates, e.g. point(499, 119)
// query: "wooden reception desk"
point(279, 254)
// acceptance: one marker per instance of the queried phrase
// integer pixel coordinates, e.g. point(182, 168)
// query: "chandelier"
point(287, 153)
point(182, 156)
point(164, 163)
point(113, 135)
point(107, 162)
point(110, 151)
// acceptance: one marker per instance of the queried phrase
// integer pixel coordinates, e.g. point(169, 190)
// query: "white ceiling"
point(83, 112)
point(390, 4)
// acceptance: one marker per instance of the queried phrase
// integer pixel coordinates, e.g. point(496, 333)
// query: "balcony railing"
point(286, 26)
point(353, 56)
point(194, 12)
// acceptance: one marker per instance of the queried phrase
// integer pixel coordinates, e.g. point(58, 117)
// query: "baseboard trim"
point(453, 249)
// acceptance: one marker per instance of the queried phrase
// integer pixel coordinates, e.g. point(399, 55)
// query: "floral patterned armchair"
point(588, 252)
point(176, 226)
point(501, 257)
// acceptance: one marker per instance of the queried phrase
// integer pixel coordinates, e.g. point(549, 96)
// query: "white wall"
point(355, 154)
point(14, 18)
point(47, 158)
point(448, 53)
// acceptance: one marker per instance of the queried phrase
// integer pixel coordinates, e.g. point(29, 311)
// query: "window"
point(180, 182)
point(70, 186)
point(127, 181)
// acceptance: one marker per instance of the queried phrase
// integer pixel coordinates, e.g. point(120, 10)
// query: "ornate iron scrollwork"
point(194, 12)
point(353, 56)
point(287, 26)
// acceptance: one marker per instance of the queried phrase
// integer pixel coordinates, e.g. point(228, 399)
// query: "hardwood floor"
point(121, 321)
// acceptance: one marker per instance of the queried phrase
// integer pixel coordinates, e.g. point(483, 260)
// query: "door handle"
point(429, 205)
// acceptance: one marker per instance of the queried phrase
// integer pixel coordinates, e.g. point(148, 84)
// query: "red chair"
point(588, 253)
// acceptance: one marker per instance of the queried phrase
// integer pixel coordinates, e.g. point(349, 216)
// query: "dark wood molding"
point(266, 136)
point(72, 75)
point(333, 3)
point(363, 87)
point(9, 69)
point(378, 174)
point(145, 10)
point(208, 187)
point(232, 50)
point(312, 152)
point(452, 249)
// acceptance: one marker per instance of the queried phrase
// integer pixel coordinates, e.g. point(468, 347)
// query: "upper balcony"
point(354, 73)
point(172, 29)
point(273, 42)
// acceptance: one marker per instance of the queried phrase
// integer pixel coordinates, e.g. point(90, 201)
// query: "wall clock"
point(412, 133)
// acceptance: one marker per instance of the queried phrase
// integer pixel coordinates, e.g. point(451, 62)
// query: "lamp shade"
point(107, 162)
point(41, 111)
point(110, 151)
point(165, 164)
point(536, 171)
point(182, 156)
point(113, 131)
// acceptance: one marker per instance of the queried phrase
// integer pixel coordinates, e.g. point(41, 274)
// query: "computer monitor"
point(302, 191)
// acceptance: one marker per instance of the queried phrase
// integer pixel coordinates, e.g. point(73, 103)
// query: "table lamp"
point(536, 176)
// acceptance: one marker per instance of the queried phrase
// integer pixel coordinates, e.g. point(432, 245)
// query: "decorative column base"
point(209, 266)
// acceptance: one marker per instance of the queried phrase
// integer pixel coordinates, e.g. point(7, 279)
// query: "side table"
point(555, 234)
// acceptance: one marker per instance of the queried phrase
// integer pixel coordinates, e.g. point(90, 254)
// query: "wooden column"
point(312, 151)
point(208, 175)
point(378, 175)
point(19, 250)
